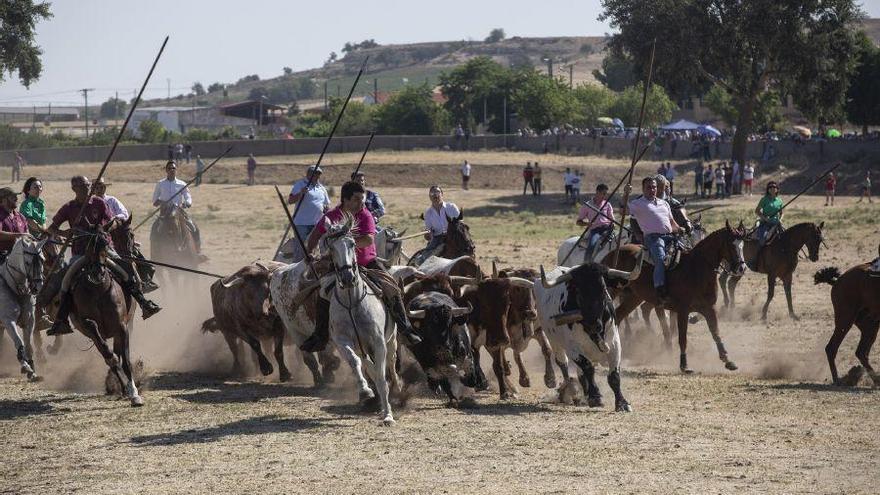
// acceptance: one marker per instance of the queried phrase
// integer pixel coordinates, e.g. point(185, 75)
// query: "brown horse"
point(42, 323)
point(777, 260)
point(856, 299)
point(458, 241)
point(171, 240)
point(693, 285)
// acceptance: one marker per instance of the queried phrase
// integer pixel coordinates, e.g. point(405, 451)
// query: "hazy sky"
point(109, 44)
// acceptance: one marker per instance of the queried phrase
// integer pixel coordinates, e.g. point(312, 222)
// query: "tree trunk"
point(864, 129)
point(743, 129)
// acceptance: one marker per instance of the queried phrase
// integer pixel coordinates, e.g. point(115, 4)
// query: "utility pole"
point(485, 111)
point(85, 93)
point(326, 109)
point(168, 80)
point(116, 107)
point(376, 91)
point(571, 77)
point(504, 111)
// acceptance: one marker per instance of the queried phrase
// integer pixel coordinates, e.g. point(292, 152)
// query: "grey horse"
point(22, 278)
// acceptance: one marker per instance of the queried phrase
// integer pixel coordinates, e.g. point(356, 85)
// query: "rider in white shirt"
point(117, 209)
point(165, 191)
point(436, 221)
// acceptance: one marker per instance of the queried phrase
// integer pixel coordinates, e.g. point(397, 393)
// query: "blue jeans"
point(762, 231)
point(656, 244)
point(595, 235)
point(304, 231)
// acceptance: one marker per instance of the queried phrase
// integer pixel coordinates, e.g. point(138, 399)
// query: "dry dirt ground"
point(775, 426)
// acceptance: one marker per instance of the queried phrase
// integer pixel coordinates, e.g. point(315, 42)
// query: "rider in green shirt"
point(33, 208)
point(769, 212)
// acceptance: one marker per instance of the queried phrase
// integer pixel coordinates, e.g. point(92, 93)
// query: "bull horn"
point(416, 315)
point(462, 311)
point(634, 274)
point(565, 277)
point(459, 280)
point(521, 282)
point(465, 289)
point(231, 283)
point(494, 270)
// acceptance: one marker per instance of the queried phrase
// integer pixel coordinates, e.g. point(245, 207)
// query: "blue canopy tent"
point(708, 129)
point(680, 125)
point(617, 122)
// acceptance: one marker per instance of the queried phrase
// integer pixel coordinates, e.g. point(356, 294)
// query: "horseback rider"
point(33, 207)
point(94, 213)
point(143, 271)
point(436, 221)
point(312, 202)
point(168, 188)
point(678, 211)
point(598, 223)
point(12, 223)
point(658, 225)
point(769, 212)
point(364, 228)
point(372, 201)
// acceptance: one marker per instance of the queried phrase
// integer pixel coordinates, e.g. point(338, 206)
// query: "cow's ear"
point(460, 215)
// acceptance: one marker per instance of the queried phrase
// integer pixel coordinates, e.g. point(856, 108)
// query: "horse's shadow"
point(818, 387)
point(249, 426)
point(216, 389)
point(12, 409)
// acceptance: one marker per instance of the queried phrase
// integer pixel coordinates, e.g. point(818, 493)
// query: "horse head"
point(814, 240)
point(25, 265)
point(339, 243)
point(123, 238)
point(458, 237)
point(698, 233)
point(732, 247)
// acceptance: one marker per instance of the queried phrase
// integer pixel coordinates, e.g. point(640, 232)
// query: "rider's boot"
point(148, 308)
point(61, 325)
point(317, 341)
point(398, 313)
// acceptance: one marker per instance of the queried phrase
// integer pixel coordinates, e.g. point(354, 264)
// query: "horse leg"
point(56, 345)
point(665, 326)
point(771, 287)
point(712, 321)
point(21, 349)
point(312, 364)
point(390, 367)
point(842, 324)
point(232, 342)
point(265, 365)
point(329, 363)
point(683, 343)
point(549, 374)
point(346, 349)
point(122, 348)
point(734, 280)
point(90, 330)
point(378, 367)
point(646, 315)
point(38, 347)
point(786, 284)
point(587, 378)
point(869, 329)
point(723, 278)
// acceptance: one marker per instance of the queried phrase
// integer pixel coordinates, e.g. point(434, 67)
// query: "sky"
point(108, 45)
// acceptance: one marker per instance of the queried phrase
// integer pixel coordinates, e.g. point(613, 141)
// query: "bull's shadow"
point(815, 387)
point(216, 389)
point(251, 426)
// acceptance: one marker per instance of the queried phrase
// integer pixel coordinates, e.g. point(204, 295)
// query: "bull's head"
point(445, 352)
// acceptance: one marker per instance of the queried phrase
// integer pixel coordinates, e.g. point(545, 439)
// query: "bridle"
point(30, 281)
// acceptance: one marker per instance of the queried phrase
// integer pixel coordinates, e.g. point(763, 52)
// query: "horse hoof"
point(137, 401)
point(34, 378)
point(594, 401)
point(550, 381)
point(687, 371)
point(266, 370)
point(481, 386)
point(795, 317)
point(731, 366)
point(623, 407)
point(285, 376)
point(508, 396)
point(388, 421)
point(525, 382)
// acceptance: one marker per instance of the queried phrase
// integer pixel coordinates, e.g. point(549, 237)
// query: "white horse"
point(22, 279)
point(360, 326)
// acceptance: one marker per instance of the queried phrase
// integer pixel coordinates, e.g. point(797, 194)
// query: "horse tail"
point(828, 275)
point(210, 325)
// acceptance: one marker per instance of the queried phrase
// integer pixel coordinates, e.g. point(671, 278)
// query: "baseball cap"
point(5, 191)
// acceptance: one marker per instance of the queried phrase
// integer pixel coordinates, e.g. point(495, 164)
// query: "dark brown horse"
point(777, 260)
point(42, 323)
point(171, 240)
point(856, 299)
point(693, 285)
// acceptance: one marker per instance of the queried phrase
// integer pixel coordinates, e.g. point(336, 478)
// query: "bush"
point(199, 135)
point(151, 131)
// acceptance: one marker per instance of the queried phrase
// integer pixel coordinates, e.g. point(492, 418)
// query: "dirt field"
point(775, 426)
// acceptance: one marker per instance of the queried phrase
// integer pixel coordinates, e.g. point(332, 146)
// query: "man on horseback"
point(165, 191)
point(372, 201)
point(769, 212)
point(597, 215)
point(658, 225)
point(364, 228)
point(94, 213)
point(12, 223)
point(436, 221)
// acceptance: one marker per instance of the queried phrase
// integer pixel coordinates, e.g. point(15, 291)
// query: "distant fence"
point(576, 145)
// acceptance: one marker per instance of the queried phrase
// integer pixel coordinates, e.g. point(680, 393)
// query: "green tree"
point(628, 105)
point(617, 71)
point(412, 111)
point(542, 100)
point(748, 47)
point(151, 131)
point(591, 102)
point(213, 88)
point(468, 86)
point(257, 93)
point(765, 118)
point(113, 108)
point(495, 36)
point(198, 89)
point(18, 51)
point(287, 71)
point(863, 95)
point(358, 119)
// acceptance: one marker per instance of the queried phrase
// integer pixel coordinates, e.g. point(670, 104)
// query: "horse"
point(41, 315)
point(171, 240)
point(103, 311)
point(360, 326)
point(22, 276)
point(458, 242)
point(855, 296)
point(777, 260)
point(692, 285)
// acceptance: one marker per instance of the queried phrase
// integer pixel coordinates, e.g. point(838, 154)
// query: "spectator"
point(661, 170)
point(866, 188)
point(188, 151)
point(576, 186)
point(465, 175)
point(528, 175)
point(178, 152)
point(17, 167)
point(748, 177)
point(708, 178)
point(728, 179)
point(251, 169)
point(830, 184)
point(459, 133)
point(200, 169)
point(467, 138)
point(536, 179)
point(670, 177)
point(698, 179)
point(719, 181)
point(566, 180)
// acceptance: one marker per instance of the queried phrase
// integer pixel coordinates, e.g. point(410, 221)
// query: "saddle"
point(674, 250)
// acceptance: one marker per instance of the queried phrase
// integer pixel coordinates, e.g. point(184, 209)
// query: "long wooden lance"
point(110, 154)
point(608, 199)
point(168, 265)
point(634, 161)
point(701, 210)
point(323, 150)
point(179, 191)
point(804, 190)
point(364, 154)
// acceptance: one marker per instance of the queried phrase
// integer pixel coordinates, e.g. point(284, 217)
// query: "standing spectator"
point(576, 186)
point(661, 170)
point(372, 201)
point(251, 169)
point(673, 145)
point(536, 179)
point(866, 188)
point(566, 180)
point(670, 177)
point(728, 179)
point(200, 169)
point(698, 179)
point(708, 178)
point(528, 175)
point(178, 152)
point(459, 133)
point(719, 181)
point(748, 177)
point(188, 151)
point(465, 175)
point(830, 184)
point(467, 138)
point(17, 167)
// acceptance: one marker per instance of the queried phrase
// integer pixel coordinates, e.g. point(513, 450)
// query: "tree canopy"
point(495, 36)
point(618, 71)
point(113, 108)
point(18, 50)
point(863, 97)
point(412, 111)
